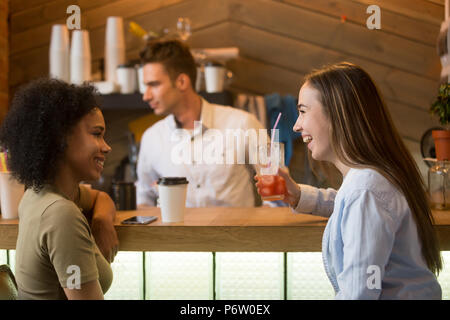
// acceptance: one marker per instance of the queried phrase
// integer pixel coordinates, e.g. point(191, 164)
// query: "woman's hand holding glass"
point(291, 191)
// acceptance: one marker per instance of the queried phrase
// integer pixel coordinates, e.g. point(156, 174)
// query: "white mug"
point(214, 77)
point(126, 78)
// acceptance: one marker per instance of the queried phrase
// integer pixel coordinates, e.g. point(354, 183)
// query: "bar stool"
point(8, 285)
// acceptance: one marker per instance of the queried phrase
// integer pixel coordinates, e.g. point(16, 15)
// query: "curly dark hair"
point(35, 129)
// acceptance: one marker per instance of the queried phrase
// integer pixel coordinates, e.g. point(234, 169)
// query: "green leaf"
point(441, 107)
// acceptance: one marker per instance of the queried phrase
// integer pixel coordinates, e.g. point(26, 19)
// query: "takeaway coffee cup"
point(172, 198)
point(11, 192)
point(214, 77)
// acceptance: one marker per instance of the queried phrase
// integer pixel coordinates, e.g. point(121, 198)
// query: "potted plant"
point(441, 108)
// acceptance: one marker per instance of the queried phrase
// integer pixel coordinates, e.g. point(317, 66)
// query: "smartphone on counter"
point(139, 220)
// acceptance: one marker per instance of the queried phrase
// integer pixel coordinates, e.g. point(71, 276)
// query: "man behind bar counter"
point(169, 76)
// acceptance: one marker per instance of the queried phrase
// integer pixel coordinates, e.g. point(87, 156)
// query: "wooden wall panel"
point(299, 35)
point(90, 19)
point(426, 11)
point(328, 32)
point(202, 15)
point(279, 41)
point(392, 22)
point(23, 5)
point(261, 78)
point(258, 78)
point(4, 61)
point(48, 12)
point(299, 56)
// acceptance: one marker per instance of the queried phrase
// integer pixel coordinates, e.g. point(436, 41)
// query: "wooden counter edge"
point(220, 238)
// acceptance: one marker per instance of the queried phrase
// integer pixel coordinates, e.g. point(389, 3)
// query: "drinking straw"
point(274, 127)
point(273, 137)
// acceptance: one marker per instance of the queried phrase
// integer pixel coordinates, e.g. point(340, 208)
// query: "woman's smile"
point(100, 161)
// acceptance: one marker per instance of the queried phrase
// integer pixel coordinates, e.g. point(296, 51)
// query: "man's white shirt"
point(210, 183)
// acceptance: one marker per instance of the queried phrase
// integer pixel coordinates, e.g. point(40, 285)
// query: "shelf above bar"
point(117, 101)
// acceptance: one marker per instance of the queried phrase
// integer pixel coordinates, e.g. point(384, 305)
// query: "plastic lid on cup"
point(126, 65)
point(213, 64)
point(172, 181)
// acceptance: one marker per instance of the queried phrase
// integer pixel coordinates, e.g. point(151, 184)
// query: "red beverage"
point(272, 187)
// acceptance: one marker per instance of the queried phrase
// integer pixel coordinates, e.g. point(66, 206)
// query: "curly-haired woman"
point(379, 242)
point(54, 134)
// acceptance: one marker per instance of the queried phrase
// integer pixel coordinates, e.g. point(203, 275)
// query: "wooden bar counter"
point(224, 229)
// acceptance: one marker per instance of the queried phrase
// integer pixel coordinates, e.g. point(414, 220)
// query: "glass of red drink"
point(270, 158)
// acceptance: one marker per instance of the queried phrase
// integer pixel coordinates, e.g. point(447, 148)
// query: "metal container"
point(124, 195)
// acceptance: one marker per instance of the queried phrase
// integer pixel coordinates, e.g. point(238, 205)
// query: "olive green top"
point(55, 246)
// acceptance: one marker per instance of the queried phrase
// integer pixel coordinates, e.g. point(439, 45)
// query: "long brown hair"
point(363, 136)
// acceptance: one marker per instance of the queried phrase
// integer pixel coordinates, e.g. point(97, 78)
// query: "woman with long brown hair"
point(379, 242)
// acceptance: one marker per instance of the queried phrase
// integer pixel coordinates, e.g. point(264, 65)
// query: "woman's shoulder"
point(366, 178)
point(368, 181)
point(50, 205)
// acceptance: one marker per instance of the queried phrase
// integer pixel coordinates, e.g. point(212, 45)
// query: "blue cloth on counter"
point(287, 105)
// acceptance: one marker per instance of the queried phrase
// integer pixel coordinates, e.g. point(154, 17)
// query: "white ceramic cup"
point(114, 47)
point(126, 78)
point(11, 192)
point(214, 77)
point(80, 57)
point(59, 54)
point(172, 198)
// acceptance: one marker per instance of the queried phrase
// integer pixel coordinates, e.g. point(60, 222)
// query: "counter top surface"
point(224, 229)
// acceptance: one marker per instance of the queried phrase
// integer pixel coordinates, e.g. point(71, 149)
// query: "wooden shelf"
point(134, 101)
point(118, 101)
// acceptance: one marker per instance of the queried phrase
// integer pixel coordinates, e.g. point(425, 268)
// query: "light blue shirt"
point(370, 246)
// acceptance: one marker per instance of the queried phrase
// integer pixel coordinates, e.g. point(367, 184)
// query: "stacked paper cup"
point(80, 57)
point(114, 47)
point(11, 191)
point(59, 53)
